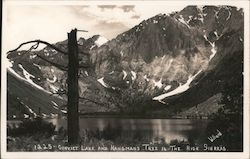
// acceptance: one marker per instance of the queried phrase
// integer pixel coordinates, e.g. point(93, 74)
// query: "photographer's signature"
point(212, 138)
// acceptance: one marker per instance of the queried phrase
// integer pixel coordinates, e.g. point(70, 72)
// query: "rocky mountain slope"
point(168, 63)
point(226, 67)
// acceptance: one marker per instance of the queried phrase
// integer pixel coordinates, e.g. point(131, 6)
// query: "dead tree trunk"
point(73, 94)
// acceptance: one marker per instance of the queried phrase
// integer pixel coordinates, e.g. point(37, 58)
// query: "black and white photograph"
point(138, 78)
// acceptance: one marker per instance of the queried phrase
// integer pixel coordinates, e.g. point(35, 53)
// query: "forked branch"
point(35, 46)
point(38, 42)
point(90, 100)
point(63, 68)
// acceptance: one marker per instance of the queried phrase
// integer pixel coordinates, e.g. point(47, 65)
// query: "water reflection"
point(147, 130)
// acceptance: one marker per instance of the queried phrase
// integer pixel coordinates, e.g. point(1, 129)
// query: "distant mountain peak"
point(81, 41)
point(100, 40)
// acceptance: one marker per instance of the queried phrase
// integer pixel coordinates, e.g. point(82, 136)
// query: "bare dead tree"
point(73, 92)
point(72, 70)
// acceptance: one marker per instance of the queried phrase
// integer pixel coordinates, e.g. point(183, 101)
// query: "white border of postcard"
point(132, 155)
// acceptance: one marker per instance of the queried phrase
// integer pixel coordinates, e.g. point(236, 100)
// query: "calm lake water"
point(144, 129)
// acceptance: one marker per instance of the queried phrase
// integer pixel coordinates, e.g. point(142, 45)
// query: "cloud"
point(104, 28)
point(78, 9)
point(135, 17)
point(127, 8)
point(52, 22)
point(103, 7)
point(109, 13)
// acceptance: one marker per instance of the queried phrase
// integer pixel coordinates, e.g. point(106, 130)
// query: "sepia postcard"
point(125, 79)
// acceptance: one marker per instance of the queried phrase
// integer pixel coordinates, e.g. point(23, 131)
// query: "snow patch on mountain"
point(86, 73)
point(27, 76)
point(205, 36)
point(111, 72)
point(201, 14)
point(216, 34)
point(33, 56)
point(44, 115)
point(229, 15)
point(216, 14)
point(137, 29)
point(100, 41)
point(182, 20)
point(121, 52)
point(54, 103)
point(178, 90)
point(30, 110)
point(201, 18)
point(92, 47)
point(189, 18)
point(124, 74)
point(158, 83)
point(54, 51)
point(133, 75)
point(37, 66)
point(200, 8)
point(100, 80)
point(155, 21)
point(64, 111)
point(55, 107)
point(54, 88)
point(213, 50)
point(167, 87)
point(146, 78)
point(53, 80)
point(53, 115)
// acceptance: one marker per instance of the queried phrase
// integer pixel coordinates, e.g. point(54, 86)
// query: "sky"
point(52, 22)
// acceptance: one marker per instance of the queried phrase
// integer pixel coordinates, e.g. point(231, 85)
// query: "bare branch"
point(83, 98)
point(64, 92)
point(40, 41)
point(63, 68)
point(34, 47)
point(60, 93)
point(82, 30)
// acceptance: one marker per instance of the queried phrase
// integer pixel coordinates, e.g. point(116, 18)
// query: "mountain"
point(167, 64)
point(222, 27)
point(160, 52)
point(170, 51)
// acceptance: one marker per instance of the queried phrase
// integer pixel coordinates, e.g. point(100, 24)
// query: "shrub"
point(32, 127)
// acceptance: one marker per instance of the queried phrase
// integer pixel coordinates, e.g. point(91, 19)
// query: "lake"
point(148, 130)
